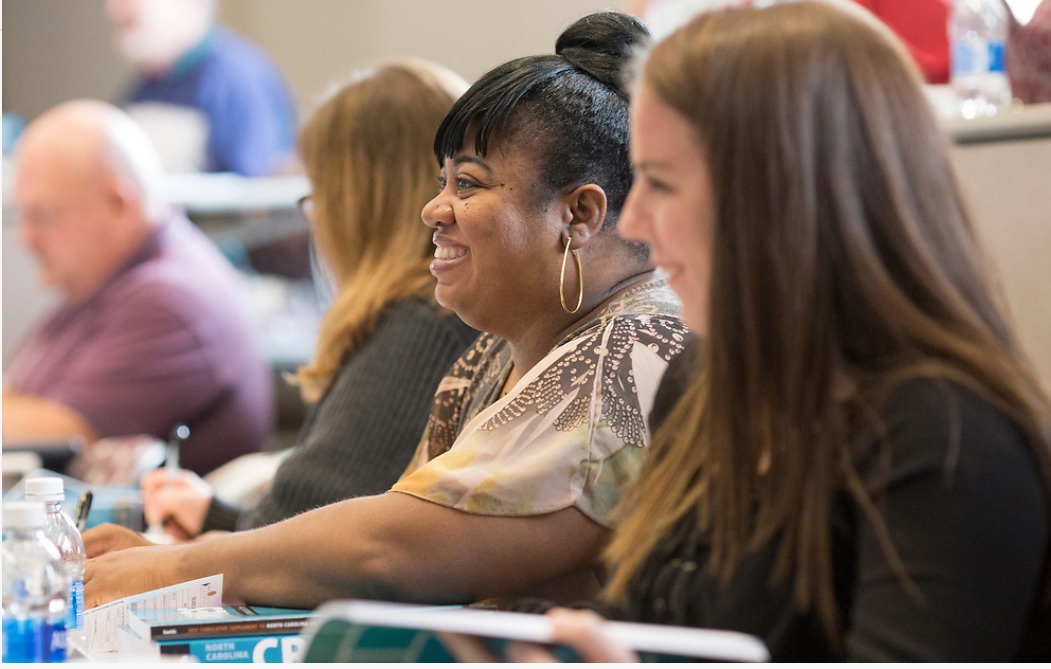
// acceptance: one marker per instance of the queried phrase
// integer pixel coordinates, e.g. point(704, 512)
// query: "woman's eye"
point(656, 185)
point(463, 183)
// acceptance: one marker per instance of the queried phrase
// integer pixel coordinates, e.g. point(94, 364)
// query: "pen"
point(178, 435)
point(83, 508)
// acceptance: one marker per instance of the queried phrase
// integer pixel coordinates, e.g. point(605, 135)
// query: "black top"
point(359, 438)
point(967, 512)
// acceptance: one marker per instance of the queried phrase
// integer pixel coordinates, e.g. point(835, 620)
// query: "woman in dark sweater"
point(384, 343)
point(858, 466)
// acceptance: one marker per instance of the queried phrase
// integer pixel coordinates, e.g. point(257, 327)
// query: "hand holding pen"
point(176, 504)
point(159, 521)
point(179, 434)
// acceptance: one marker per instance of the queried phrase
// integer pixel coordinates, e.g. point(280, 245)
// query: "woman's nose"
point(437, 212)
point(631, 225)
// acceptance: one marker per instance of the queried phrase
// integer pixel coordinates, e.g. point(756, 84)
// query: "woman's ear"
point(587, 213)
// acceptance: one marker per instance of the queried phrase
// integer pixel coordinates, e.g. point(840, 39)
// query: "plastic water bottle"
point(35, 588)
point(978, 42)
point(62, 531)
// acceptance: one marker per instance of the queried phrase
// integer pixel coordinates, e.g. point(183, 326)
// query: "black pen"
point(83, 508)
point(178, 435)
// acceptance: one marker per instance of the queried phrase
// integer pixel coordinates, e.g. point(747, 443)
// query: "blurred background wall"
point(54, 50)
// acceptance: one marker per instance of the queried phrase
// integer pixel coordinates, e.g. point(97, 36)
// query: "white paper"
point(102, 622)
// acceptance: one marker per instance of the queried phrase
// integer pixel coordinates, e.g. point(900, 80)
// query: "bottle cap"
point(45, 488)
point(24, 515)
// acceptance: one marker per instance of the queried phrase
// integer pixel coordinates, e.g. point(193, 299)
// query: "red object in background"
point(922, 26)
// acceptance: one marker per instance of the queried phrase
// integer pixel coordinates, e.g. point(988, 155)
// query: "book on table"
point(263, 648)
point(162, 624)
point(141, 624)
point(369, 631)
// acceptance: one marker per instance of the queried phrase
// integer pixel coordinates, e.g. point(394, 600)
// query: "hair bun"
point(601, 44)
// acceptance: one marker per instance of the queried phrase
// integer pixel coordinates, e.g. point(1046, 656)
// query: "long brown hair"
point(843, 263)
point(367, 150)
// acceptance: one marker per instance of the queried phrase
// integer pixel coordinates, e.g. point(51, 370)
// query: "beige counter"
point(1004, 163)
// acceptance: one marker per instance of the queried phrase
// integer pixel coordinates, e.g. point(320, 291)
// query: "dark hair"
point(569, 109)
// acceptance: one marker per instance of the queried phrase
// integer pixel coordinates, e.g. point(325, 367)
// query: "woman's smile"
point(446, 256)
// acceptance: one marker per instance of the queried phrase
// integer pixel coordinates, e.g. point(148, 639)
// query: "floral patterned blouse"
point(572, 431)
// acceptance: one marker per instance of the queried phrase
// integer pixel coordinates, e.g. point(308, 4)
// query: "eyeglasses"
point(306, 207)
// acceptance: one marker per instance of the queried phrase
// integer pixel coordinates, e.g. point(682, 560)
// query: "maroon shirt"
point(1029, 56)
point(166, 340)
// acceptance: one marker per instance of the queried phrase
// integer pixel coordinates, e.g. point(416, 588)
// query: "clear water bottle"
point(62, 530)
point(35, 587)
point(978, 42)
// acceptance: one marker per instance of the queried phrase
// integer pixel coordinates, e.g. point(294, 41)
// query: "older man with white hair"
point(211, 100)
point(153, 329)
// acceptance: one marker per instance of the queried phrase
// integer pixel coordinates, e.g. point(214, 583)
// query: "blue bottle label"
point(996, 57)
point(23, 640)
point(55, 641)
point(75, 613)
point(962, 59)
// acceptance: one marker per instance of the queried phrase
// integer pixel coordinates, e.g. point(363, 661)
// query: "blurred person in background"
point(211, 100)
point(1029, 54)
point(384, 343)
point(152, 330)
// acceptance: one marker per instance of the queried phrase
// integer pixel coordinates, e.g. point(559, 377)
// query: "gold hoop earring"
point(562, 279)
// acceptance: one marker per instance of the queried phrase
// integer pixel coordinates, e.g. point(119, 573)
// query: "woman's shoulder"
point(681, 372)
point(425, 318)
point(937, 404)
point(944, 427)
point(647, 300)
point(648, 314)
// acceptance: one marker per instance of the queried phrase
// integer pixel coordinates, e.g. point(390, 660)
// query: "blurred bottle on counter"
point(977, 41)
point(62, 530)
point(35, 588)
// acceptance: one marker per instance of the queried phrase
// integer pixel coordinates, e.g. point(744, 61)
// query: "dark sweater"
point(358, 439)
point(968, 514)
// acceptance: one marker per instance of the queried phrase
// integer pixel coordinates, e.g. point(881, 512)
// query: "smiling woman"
point(536, 429)
point(673, 184)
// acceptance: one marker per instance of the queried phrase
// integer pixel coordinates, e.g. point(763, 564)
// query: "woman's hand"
point(130, 572)
point(583, 631)
point(108, 537)
point(182, 497)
